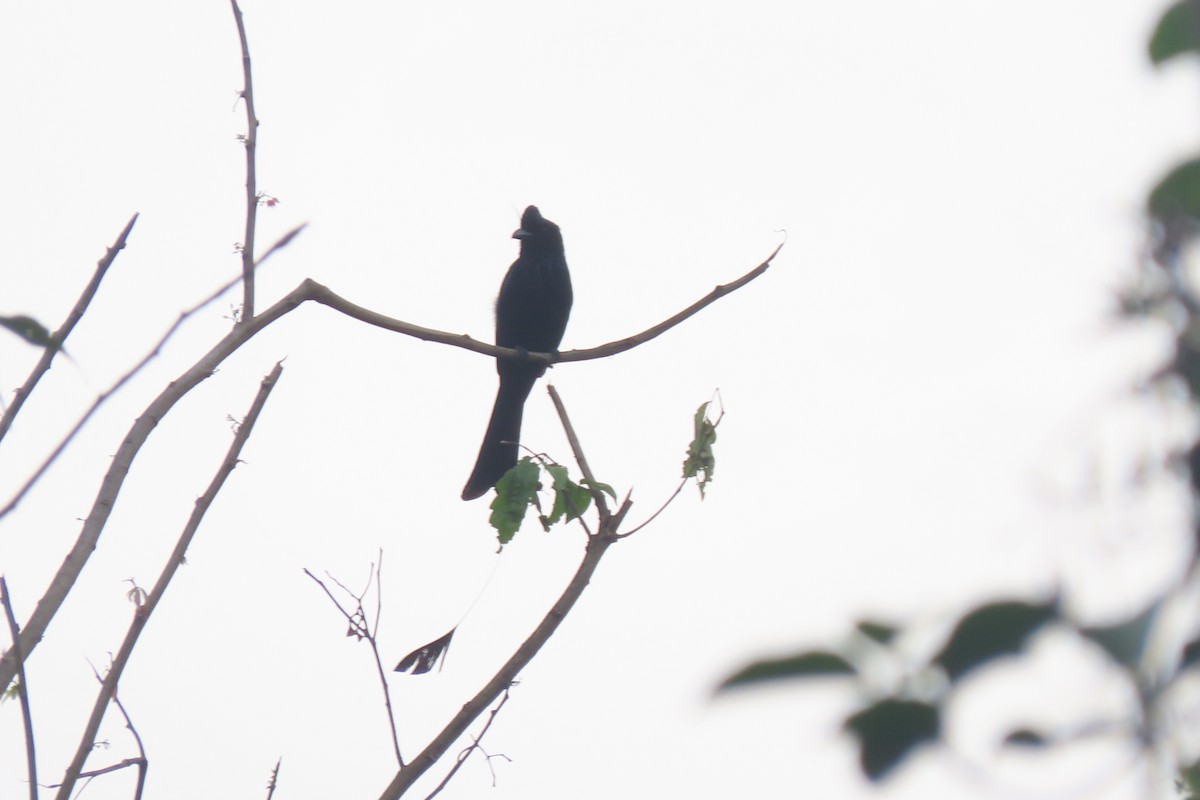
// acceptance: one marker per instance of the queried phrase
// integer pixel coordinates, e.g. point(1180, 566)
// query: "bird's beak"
point(520, 233)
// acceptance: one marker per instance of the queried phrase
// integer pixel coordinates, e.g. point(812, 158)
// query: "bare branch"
point(124, 379)
point(22, 691)
point(251, 142)
point(64, 330)
point(109, 688)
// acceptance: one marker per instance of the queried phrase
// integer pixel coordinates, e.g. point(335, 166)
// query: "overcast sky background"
point(928, 401)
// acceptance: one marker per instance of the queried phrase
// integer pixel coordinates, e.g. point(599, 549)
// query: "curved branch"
point(620, 346)
point(326, 297)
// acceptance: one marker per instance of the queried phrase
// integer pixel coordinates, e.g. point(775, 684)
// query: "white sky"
point(917, 391)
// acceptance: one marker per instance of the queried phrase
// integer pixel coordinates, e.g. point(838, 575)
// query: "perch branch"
point(109, 689)
point(60, 335)
point(323, 295)
point(631, 342)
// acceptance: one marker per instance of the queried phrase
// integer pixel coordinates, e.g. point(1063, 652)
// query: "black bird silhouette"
point(531, 315)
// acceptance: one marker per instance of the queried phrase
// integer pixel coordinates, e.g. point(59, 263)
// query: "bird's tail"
point(498, 453)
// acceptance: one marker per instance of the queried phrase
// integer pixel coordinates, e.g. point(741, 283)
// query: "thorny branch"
point(271, 784)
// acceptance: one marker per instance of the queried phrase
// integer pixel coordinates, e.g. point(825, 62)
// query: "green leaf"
point(812, 664)
point(877, 631)
point(1178, 194)
point(700, 458)
point(600, 487)
point(991, 631)
point(1178, 31)
point(570, 499)
point(515, 492)
point(889, 730)
point(1125, 641)
point(29, 329)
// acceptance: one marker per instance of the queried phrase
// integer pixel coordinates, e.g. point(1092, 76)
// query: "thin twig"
point(22, 691)
point(387, 695)
point(140, 617)
point(360, 627)
point(475, 740)
point(143, 763)
point(92, 773)
point(661, 509)
point(64, 330)
point(251, 142)
point(124, 379)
